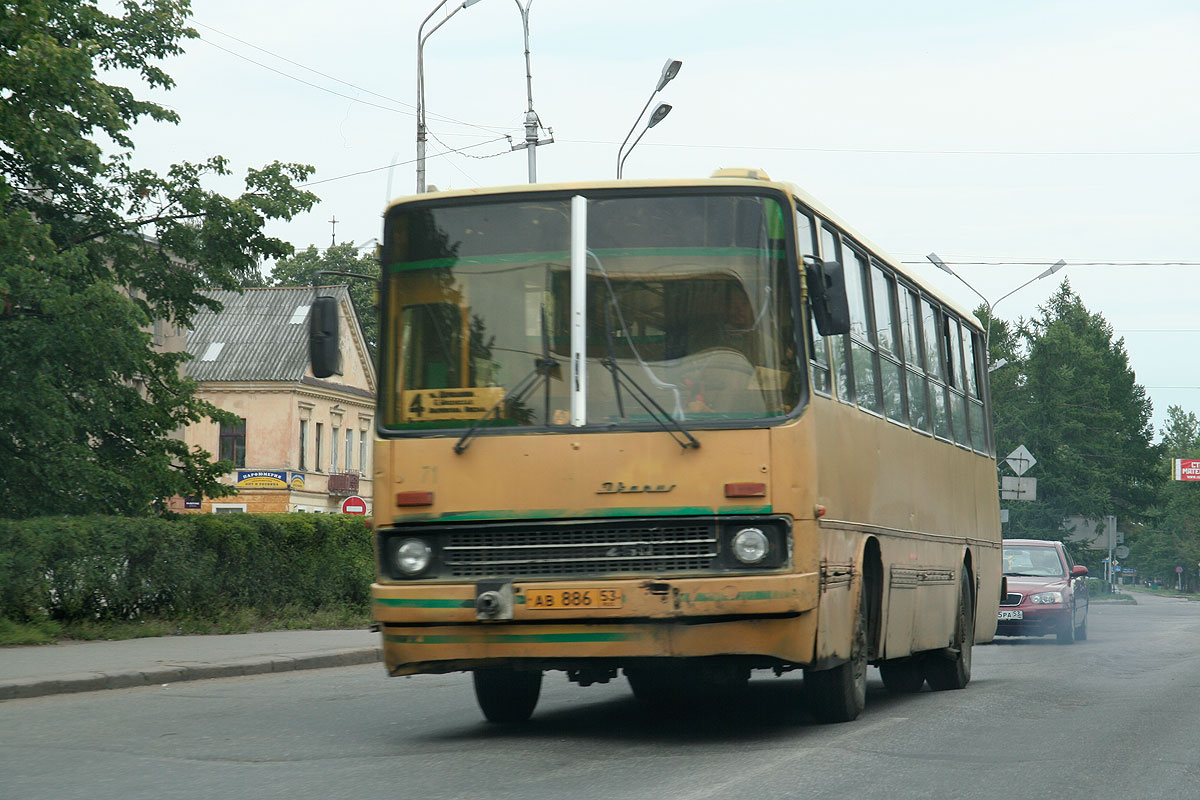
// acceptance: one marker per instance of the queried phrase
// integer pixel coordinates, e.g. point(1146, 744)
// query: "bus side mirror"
point(323, 348)
point(827, 296)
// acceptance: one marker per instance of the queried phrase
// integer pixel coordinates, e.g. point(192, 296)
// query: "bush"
point(76, 569)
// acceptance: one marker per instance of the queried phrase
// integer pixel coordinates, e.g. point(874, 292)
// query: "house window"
point(317, 441)
point(349, 449)
point(229, 508)
point(303, 442)
point(362, 452)
point(232, 443)
point(333, 451)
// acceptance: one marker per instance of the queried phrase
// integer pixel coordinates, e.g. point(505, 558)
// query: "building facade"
point(301, 444)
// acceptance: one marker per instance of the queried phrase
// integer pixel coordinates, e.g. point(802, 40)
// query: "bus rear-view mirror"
point(323, 337)
point(827, 296)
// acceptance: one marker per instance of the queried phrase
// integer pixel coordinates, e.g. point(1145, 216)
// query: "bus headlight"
point(750, 545)
point(412, 557)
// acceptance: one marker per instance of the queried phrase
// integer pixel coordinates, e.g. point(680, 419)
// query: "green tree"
point(300, 269)
point(93, 251)
point(1073, 400)
point(1173, 538)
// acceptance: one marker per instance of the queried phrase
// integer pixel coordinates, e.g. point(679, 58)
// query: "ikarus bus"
point(677, 432)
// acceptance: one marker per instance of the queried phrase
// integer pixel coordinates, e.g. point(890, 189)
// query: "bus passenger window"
point(831, 250)
point(861, 335)
point(888, 341)
point(914, 362)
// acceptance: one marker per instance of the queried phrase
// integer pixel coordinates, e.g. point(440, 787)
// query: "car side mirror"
point(827, 296)
point(323, 350)
point(1079, 571)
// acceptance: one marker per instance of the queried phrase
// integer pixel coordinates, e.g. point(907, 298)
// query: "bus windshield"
point(689, 311)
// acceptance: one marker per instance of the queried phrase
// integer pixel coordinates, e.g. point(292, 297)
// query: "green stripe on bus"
point(416, 602)
point(564, 256)
point(600, 513)
point(510, 638)
point(717, 598)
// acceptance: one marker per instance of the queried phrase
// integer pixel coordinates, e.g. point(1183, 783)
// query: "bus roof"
point(750, 178)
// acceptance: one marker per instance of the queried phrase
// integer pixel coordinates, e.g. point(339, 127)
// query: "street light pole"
point(669, 71)
point(421, 83)
point(532, 122)
point(987, 336)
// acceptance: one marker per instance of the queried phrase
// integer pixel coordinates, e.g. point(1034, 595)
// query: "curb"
point(20, 688)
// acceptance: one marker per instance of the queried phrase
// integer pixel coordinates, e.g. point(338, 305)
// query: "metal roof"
point(261, 334)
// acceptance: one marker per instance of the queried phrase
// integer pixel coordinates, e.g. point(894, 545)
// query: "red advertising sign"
point(1187, 469)
point(354, 505)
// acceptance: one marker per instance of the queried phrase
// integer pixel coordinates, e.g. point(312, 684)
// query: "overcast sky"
point(1003, 136)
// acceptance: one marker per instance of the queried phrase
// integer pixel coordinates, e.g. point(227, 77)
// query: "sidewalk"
point(90, 666)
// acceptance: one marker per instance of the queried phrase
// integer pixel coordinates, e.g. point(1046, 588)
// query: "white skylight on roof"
point(213, 351)
point(299, 315)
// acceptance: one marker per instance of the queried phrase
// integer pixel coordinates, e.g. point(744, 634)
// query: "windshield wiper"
point(609, 362)
point(544, 369)
point(651, 406)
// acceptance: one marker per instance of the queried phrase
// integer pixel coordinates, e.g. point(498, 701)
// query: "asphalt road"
point(1116, 716)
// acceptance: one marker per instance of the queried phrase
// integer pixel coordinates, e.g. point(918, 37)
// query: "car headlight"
point(750, 545)
point(412, 557)
point(1046, 597)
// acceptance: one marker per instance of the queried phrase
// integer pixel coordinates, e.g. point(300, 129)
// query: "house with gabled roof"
point(303, 443)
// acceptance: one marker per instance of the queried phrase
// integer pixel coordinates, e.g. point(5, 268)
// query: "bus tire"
point(902, 675)
point(507, 695)
point(839, 694)
point(952, 670)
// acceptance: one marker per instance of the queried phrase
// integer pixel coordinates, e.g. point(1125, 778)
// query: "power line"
point(458, 151)
point(903, 151)
point(412, 113)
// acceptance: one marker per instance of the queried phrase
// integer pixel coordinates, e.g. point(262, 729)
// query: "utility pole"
point(532, 123)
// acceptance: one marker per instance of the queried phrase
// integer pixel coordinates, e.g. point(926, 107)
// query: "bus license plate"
point(565, 599)
point(1011, 614)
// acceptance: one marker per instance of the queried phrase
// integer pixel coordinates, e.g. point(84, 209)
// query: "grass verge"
point(231, 621)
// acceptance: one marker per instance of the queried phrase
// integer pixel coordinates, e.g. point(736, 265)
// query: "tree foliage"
point(93, 251)
point(1070, 396)
point(1172, 537)
point(301, 269)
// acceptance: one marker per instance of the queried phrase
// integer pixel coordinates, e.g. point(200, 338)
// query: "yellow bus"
point(674, 430)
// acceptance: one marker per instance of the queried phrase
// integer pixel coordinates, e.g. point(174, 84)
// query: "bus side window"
point(831, 250)
point(818, 352)
point(914, 361)
point(862, 350)
point(934, 369)
point(887, 339)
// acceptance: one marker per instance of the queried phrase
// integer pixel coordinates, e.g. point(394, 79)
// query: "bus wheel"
point(507, 695)
point(953, 670)
point(902, 675)
point(840, 694)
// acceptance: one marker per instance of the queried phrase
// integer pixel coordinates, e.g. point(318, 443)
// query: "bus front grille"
point(567, 551)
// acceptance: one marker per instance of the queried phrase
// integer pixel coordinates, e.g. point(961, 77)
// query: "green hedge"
point(74, 569)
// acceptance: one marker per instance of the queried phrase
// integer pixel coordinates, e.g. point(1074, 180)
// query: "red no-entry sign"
point(354, 505)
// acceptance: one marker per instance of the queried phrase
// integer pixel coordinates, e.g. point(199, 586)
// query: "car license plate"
point(566, 599)
point(1013, 613)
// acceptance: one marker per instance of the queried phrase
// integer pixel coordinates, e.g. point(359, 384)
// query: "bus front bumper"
point(431, 628)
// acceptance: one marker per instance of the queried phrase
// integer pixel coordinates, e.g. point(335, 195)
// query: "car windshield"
point(688, 303)
point(1032, 561)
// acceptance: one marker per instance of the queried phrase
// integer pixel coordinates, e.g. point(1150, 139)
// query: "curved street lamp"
point(660, 112)
point(669, 71)
point(532, 121)
point(421, 83)
point(991, 304)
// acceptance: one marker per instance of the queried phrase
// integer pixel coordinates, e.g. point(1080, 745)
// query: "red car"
point(1047, 592)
